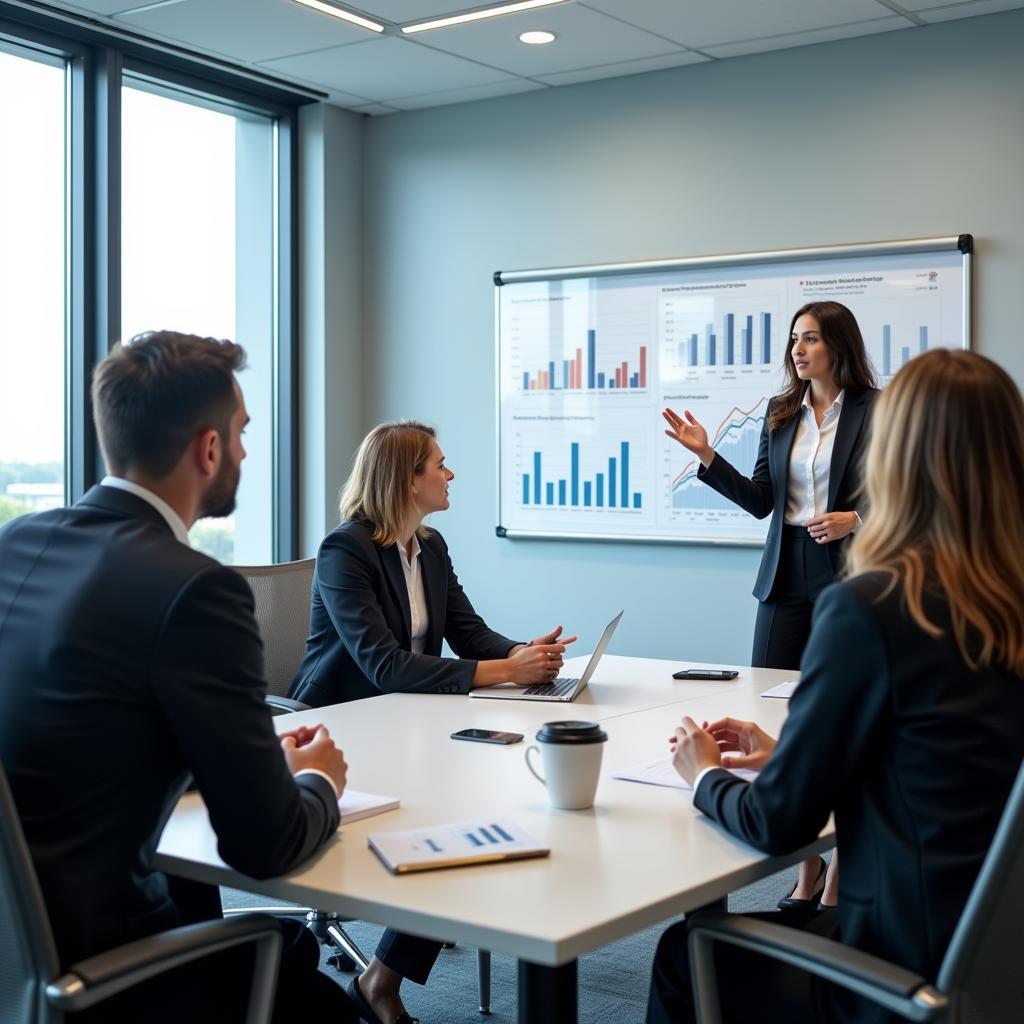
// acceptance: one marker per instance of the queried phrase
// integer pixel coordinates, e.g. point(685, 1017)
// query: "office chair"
point(32, 991)
point(980, 980)
point(282, 595)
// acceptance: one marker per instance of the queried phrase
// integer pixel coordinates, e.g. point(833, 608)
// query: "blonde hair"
point(379, 488)
point(945, 484)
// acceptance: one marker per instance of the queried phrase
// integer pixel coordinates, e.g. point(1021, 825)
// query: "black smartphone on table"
point(487, 736)
point(719, 674)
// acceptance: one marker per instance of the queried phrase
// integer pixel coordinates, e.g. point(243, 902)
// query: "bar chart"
point(704, 336)
point(904, 353)
point(596, 476)
point(587, 371)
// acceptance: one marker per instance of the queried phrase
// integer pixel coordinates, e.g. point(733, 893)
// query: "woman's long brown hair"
point(945, 482)
point(851, 368)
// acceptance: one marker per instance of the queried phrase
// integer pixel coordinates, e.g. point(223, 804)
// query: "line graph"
point(736, 438)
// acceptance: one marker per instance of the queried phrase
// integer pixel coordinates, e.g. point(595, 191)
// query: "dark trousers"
point(783, 622)
point(408, 955)
point(749, 986)
point(215, 990)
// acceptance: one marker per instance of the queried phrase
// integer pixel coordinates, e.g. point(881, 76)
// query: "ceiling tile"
point(863, 28)
point(374, 109)
point(626, 67)
point(248, 30)
point(480, 92)
point(105, 7)
point(704, 23)
point(386, 67)
point(584, 38)
point(949, 12)
point(400, 11)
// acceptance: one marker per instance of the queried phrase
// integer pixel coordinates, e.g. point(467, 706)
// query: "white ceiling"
point(381, 74)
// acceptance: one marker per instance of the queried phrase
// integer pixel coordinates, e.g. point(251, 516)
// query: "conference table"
point(640, 855)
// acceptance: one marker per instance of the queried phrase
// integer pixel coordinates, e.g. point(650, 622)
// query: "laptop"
point(562, 690)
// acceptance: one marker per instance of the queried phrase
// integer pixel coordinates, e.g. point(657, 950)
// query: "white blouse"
point(809, 461)
point(417, 595)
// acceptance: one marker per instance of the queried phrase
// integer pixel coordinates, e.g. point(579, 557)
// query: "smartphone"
point(706, 673)
point(487, 736)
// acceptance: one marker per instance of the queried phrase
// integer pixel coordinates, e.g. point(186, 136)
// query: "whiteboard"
point(587, 357)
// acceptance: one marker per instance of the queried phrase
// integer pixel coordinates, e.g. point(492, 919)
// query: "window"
point(141, 189)
point(32, 284)
point(198, 255)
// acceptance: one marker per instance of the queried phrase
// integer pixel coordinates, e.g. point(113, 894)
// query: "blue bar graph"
point(624, 483)
point(526, 380)
point(709, 338)
point(501, 832)
point(886, 350)
point(905, 353)
point(922, 336)
point(748, 341)
point(729, 354)
point(488, 835)
point(591, 359)
point(766, 338)
point(693, 349)
point(600, 379)
point(609, 489)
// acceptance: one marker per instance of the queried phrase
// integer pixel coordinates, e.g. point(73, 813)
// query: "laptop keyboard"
point(557, 688)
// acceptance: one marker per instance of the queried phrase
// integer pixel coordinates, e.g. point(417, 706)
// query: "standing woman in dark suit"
point(385, 595)
point(917, 662)
point(807, 478)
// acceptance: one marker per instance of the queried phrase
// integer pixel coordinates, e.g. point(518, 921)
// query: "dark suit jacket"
point(766, 491)
point(359, 626)
point(913, 752)
point(128, 662)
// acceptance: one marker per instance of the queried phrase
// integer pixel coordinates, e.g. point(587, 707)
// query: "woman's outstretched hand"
point(690, 434)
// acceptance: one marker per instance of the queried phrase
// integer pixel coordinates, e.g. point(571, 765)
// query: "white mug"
point(571, 752)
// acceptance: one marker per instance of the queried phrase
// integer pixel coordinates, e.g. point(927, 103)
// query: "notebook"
point(355, 806)
point(479, 841)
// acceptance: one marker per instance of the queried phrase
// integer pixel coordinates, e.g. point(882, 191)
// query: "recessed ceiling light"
point(537, 38)
point(340, 12)
point(489, 12)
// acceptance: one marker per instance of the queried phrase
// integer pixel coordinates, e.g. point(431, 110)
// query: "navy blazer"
point(360, 624)
point(913, 752)
point(766, 491)
point(129, 662)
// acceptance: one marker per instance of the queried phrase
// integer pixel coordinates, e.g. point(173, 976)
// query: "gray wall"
point(913, 133)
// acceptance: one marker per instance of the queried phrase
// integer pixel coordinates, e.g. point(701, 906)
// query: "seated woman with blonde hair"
point(908, 723)
point(385, 594)
point(384, 597)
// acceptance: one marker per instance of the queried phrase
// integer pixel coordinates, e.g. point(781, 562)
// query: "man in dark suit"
point(130, 662)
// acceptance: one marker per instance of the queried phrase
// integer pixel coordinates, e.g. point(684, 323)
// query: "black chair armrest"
point(901, 991)
point(284, 705)
point(91, 981)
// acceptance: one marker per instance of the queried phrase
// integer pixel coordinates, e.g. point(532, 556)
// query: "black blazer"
point(359, 625)
point(913, 752)
point(766, 491)
point(128, 661)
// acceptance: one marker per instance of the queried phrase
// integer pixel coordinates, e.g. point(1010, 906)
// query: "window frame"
point(97, 62)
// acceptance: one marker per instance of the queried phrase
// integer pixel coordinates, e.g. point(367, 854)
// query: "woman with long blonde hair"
point(385, 594)
point(908, 724)
point(384, 598)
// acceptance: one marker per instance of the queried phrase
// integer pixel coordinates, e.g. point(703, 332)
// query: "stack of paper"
point(355, 806)
point(783, 690)
point(661, 773)
point(462, 842)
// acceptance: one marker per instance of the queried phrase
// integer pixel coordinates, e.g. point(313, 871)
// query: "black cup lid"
point(571, 732)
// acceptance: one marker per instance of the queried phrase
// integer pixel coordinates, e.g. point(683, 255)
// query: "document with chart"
point(587, 363)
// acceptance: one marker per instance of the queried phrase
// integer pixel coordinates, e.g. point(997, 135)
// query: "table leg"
point(547, 995)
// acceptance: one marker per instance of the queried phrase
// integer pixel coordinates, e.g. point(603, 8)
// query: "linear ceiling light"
point(339, 12)
point(490, 12)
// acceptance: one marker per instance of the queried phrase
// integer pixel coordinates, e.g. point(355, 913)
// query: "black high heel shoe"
point(790, 902)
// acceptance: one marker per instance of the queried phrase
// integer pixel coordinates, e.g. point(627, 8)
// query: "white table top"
point(640, 855)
